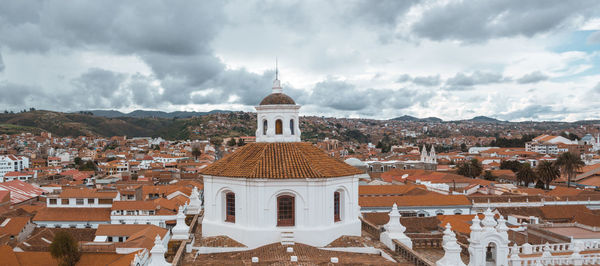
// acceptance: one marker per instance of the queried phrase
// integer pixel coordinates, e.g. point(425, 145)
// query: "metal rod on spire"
point(276, 69)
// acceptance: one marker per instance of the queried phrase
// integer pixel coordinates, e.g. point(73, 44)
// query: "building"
point(280, 189)
point(11, 163)
point(547, 144)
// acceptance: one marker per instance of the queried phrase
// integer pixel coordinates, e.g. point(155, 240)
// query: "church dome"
point(277, 98)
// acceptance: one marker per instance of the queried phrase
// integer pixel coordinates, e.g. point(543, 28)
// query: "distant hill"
point(484, 119)
point(408, 118)
point(153, 114)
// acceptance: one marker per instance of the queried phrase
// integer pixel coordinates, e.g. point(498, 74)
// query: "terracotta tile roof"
point(14, 225)
point(20, 191)
point(418, 200)
point(279, 160)
point(34, 258)
point(275, 254)
point(73, 214)
point(396, 190)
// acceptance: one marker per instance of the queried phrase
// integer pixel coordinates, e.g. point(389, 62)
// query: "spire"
point(276, 82)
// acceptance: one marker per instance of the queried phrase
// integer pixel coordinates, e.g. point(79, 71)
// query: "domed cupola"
point(277, 117)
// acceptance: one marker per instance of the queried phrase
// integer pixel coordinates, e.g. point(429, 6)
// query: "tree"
point(547, 172)
point(65, 249)
point(569, 163)
point(231, 142)
point(487, 175)
point(526, 175)
point(471, 169)
point(196, 152)
point(515, 166)
point(216, 141)
point(241, 142)
point(463, 147)
point(77, 160)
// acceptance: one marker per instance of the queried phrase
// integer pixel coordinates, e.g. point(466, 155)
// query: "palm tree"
point(547, 172)
point(569, 163)
point(526, 174)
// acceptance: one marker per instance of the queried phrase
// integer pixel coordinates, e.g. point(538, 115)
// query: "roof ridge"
point(259, 159)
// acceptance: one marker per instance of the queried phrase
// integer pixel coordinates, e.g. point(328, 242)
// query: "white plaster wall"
point(256, 209)
point(273, 112)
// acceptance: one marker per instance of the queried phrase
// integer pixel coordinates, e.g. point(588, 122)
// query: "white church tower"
point(277, 117)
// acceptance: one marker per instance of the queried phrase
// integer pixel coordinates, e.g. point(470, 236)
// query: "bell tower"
point(277, 116)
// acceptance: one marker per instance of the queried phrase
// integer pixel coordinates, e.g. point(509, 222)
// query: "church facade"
point(280, 189)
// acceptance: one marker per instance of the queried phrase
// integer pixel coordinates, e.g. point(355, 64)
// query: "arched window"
point(230, 207)
point(292, 126)
point(278, 127)
point(285, 210)
point(265, 127)
point(336, 206)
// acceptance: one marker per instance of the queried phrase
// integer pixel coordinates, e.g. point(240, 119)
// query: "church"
point(280, 189)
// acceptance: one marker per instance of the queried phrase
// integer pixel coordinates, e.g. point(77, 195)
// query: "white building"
point(280, 189)
point(12, 163)
point(547, 144)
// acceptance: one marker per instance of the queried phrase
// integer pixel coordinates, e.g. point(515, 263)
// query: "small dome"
point(277, 98)
point(355, 162)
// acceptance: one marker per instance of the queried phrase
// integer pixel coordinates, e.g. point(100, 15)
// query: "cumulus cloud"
point(428, 81)
point(533, 111)
point(483, 20)
point(213, 53)
point(462, 81)
point(532, 77)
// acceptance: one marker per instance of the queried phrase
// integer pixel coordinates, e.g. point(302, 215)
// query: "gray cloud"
point(532, 77)
point(16, 95)
point(100, 88)
point(1, 64)
point(428, 81)
point(385, 12)
point(594, 38)
point(533, 112)
point(482, 20)
point(597, 88)
point(462, 81)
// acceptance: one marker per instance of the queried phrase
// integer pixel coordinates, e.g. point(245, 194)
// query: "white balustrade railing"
point(558, 247)
point(583, 259)
point(533, 203)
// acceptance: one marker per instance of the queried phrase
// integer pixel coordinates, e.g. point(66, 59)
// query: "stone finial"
point(501, 227)
point(181, 230)
point(157, 253)
point(451, 250)
point(394, 230)
point(488, 221)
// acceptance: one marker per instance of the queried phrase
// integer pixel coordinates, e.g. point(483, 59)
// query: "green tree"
point(216, 141)
point(77, 161)
point(471, 169)
point(487, 175)
point(231, 142)
point(65, 249)
point(241, 142)
point(547, 172)
point(463, 147)
point(515, 166)
point(526, 175)
point(569, 163)
point(196, 152)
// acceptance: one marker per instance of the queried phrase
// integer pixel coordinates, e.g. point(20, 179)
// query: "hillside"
point(75, 124)
point(153, 114)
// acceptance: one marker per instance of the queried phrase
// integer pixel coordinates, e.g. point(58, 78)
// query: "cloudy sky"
point(509, 59)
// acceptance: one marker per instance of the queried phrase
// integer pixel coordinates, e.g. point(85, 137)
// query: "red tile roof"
point(20, 191)
point(281, 161)
point(73, 214)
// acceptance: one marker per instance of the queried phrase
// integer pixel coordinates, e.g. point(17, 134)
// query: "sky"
point(508, 59)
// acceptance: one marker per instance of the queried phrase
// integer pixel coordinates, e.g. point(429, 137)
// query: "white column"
point(181, 230)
